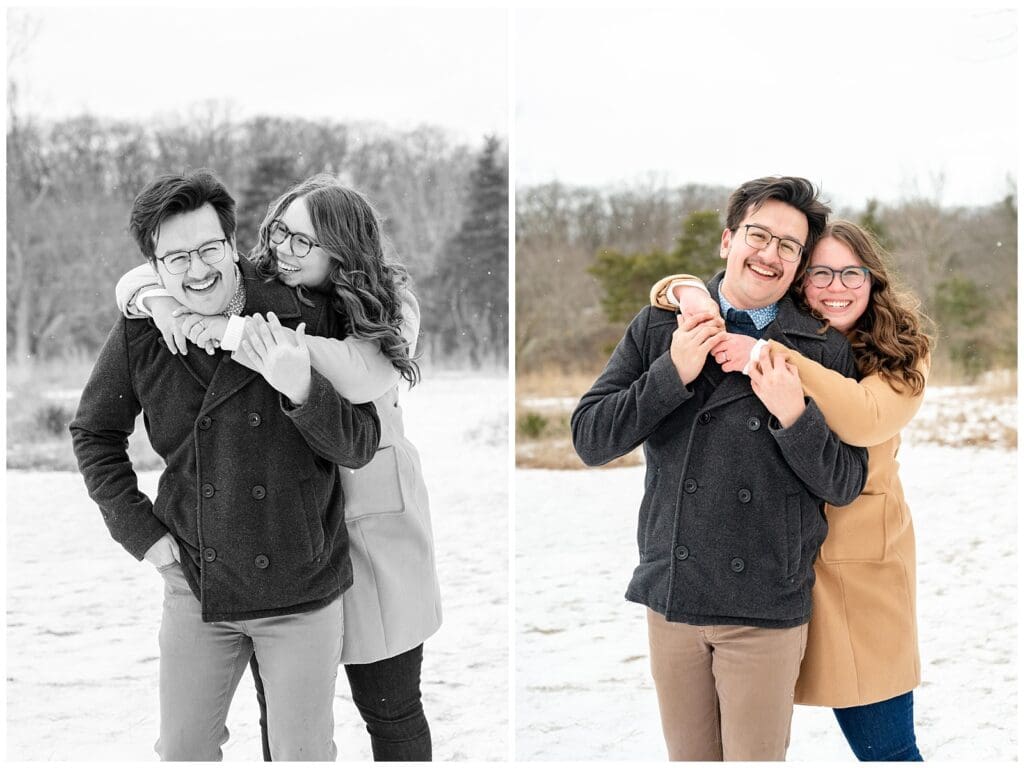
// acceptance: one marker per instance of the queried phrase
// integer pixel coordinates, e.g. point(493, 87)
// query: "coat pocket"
point(375, 489)
point(794, 535)
point(314, 524)
point(857, 533)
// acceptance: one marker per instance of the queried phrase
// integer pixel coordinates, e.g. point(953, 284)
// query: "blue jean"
point(881, 731)
point(387, 695)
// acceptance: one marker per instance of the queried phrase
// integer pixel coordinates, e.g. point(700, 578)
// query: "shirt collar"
point(762, 316)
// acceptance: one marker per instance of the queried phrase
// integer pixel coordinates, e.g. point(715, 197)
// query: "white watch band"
point(755, 352)
point(233, 333)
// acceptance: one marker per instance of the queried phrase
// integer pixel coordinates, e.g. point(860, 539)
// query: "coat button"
point(737, 564)
point(205, 422)
point(262, 561)
point(208, 490)
point(690, 486)
point(682, 552)
point(209, 554)
point(744, 495)
point(753, 423)
point(254, 420)
point(258, 492)
point(704, 418)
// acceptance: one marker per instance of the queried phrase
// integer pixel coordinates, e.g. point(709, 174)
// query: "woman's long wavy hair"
point(364, 283)
point(889, 338)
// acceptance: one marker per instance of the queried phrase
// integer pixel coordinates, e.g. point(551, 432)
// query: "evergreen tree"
point(271, 176)
point(471, 282)
point(626, 279)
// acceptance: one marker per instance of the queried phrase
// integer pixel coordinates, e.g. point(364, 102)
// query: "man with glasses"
point(247, 527)
point(732, 514)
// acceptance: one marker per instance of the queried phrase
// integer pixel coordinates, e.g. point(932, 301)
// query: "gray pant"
point(201, 664)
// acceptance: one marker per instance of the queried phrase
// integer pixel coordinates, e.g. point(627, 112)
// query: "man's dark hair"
point(792, 190)
point(172, 194)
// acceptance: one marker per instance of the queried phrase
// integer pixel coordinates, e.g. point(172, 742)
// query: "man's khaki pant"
point(725, 692)
point(202, 662)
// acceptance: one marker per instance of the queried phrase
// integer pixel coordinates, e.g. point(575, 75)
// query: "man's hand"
point(694, 337)
point(164, 552)
point(777, 384)
point(282, 362)
point(204, 331)
point(734, 352)
point(165, 311)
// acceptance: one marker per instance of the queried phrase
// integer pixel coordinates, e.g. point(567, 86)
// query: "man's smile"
point(763, 270)
point(203, 286)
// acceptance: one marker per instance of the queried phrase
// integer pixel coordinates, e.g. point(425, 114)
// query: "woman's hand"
point(204, 331)
point(283, 363)
point(777, 384)
point(733, 353)
point(165, 311)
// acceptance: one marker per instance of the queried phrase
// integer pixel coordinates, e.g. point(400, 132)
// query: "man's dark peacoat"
point(732, 515)
point(251, 490)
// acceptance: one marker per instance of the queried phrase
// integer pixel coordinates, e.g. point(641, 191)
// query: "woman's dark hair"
point(889, 338)
point(172, 194)
point(365, 284)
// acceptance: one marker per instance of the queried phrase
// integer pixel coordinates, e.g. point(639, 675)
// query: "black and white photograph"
point(257, 384)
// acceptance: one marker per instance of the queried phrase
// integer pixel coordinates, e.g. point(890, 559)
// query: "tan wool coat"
point(862, 639)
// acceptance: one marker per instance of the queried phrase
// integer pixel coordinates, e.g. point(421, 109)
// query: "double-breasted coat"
point(731, 519)
point(251, 490)
point(394, 603)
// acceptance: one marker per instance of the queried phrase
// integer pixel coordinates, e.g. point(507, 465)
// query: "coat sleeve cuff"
point(664, 380)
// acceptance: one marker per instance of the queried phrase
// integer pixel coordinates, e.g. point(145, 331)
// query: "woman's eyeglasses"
point(301, 244)
point(851, 277)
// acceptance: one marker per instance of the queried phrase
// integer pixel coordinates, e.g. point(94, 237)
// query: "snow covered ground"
point(82, 615)
point(583, 688)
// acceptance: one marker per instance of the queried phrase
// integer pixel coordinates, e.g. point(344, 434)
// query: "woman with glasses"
point(862, 652)
point(321, 236)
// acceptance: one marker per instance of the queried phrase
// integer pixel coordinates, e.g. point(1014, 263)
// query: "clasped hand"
point(776, 383)
point(694, 337)
point(284, 363)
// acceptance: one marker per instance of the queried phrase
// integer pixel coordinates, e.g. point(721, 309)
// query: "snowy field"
point(583, 687)
point(82, 614)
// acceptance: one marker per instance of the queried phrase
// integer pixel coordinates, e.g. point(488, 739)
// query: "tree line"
point(586, 258)
point(70, 184)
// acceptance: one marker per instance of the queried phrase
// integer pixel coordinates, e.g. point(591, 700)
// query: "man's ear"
point(723, 250)
point(234, 250)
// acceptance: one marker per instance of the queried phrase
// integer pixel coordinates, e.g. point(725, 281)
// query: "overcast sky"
point(401, 67)
point(867, 103)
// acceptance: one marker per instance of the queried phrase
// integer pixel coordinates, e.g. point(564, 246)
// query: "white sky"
point(867, 103)
point(401, 67)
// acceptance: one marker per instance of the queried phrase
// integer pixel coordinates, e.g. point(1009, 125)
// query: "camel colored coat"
point(862, 638)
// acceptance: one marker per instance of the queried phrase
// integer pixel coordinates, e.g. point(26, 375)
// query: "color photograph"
point(766, 325)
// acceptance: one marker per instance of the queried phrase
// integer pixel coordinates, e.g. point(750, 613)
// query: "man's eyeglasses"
point(178, 262)
point(851, 277)
point(760, 238)
point(301, 244)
